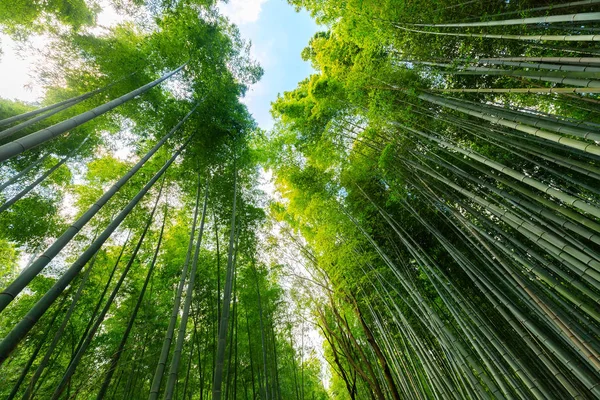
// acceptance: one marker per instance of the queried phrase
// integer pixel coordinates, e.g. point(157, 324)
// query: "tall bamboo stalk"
point(17, 334)
point(26, 276)
point(164, 354)
point(222, 342)
point(20, 145)
point(173, 372)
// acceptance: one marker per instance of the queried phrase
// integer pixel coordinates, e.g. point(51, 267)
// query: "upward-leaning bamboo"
point(549, 7)
point(526, 38)
point(223, 325)
point(12, 339)
point(23, 172)
point(52, 109)
point(164, 354)
point(40, 179)
point(27, 395)
point(117, 355)
point(100, 318)
point(63, 104)
point(26, 276)
point(20, 145)
point(577, 144)
point(173, 371)
point(580, 17)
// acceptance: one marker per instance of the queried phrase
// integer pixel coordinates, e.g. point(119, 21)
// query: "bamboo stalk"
point(18, 333)
point(531, 38)
point(573, 18)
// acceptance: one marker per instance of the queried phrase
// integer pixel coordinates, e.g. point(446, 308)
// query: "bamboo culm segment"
point(34, 269)
point(35, 139)
point(42, 177)
point(218, 377)
point(173, 371)
point(63, 105)
point(117, 355)
point(164, 354)
point(581, 17)
point(19, 332)
point(100, 318)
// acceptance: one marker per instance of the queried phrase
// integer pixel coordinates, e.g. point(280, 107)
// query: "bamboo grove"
point(436, 221)
point(132, 193)
point(439, 179)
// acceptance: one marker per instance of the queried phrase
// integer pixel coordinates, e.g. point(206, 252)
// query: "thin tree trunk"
point(117, 355)
point(533, 38)
point(35, 139)
point(173, 372)
point(37, 350)
point(24, 172)
point(17, 334)
point(8, 294)
point(222, 342)
point(164, 354)
point(42, 177)
point(382, 360)
point(66, 379)
point(581, 17)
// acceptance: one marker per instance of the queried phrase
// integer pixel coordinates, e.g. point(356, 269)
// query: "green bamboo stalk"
point(562, 60)
point(222, 342)
point(566, 124)
point(12, 339)
point(568, 199)
point(63, 104)
point(164, 354)
point(100, 319)
point(40, 179)
point(480, 280)
point(26, 276)
point(552, 67)
point(24, 172)
point(471, 360)
point(477, 276)
point(531, 207)
point(173, 371)
point(37, 350)
point(554, 126)
point(550, 7)
point(29, 392)
point(117, 355)
point(580, 261)
point(564, 77)
point(548, 279)
point(20, 145)
point(586, 147)
point(480, 347)
point(533, 38)
point(580, 17)
point(19, 127)
point(535, 75)
point(520, 90)
point(544, 310)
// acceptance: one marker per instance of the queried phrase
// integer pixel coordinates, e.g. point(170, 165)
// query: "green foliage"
point(405, 208)
point(19, 18)
point(218, 71)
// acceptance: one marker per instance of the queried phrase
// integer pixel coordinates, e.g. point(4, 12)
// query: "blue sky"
point(278, 34)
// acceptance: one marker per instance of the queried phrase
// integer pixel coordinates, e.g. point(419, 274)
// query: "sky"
point(278, 34)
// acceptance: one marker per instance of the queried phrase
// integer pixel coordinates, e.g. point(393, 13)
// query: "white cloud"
point(242, 11)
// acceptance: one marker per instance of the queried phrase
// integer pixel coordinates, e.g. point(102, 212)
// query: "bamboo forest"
point(421, 220)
